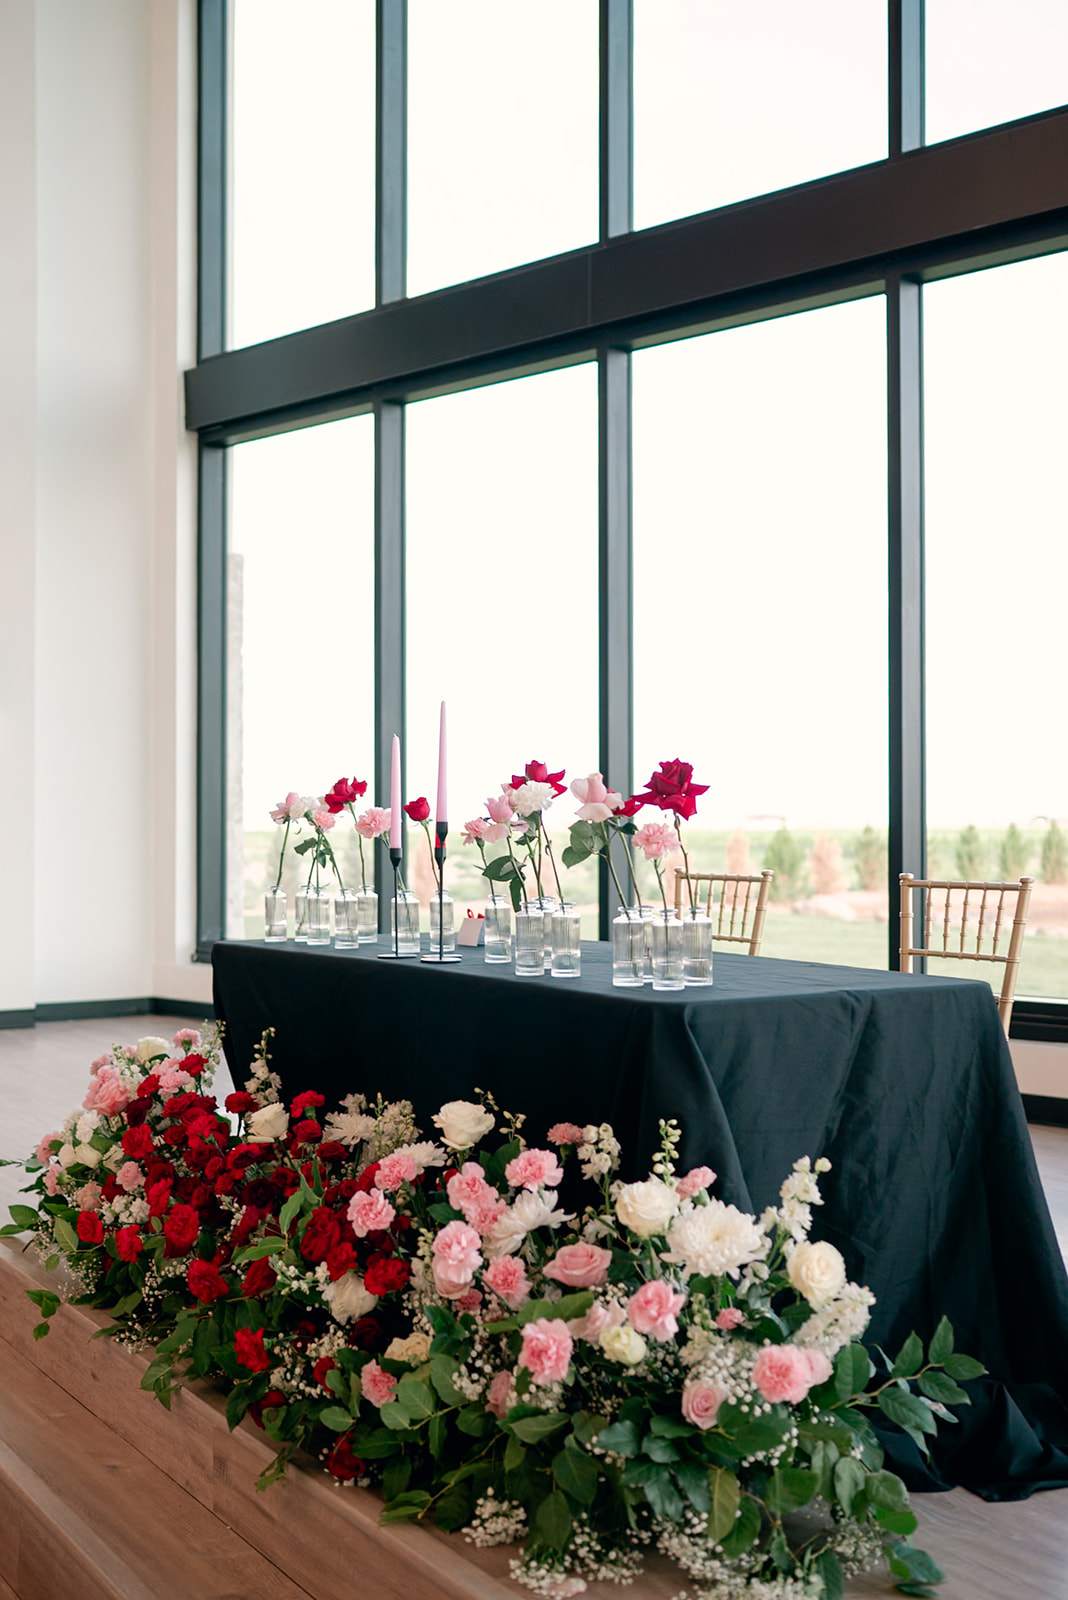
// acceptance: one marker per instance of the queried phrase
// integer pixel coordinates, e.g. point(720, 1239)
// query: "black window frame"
point(924, 212)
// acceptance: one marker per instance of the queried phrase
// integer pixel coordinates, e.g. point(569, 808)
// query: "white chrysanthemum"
point(348, 1127)
point(714, 1239)
point(425, 1154)
point(530, 1210)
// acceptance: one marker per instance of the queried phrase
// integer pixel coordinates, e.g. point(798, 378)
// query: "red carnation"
point(206, 1282)
point(366, 1180)
point(331, 1150)
point(385, 1275)
point(248, 1347)
point(321, 1234)
point(243, 1155)
point(307, 1132)
point(260, 1279)
point(272, 1399)
point(194, 1065)
point(90, 1227)
point(342, 1259)
point(418, 810)
point(158, 1196)
point(345, 792)
point(148, 1086)
point(672, 789)
point(538, 772)
point(175, 1135)
point(322, 1369)
point(180, 1230)
point(128, 1243)
point(137, 1143)
point(342, 1463)
point(306, 1101)
point(240, 1102)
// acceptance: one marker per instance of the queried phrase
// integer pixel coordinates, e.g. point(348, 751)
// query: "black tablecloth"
point(904, 1082)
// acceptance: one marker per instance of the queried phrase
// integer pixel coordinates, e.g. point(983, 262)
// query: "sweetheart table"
point(904, 1082)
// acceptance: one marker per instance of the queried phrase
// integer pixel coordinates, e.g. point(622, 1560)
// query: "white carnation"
point(423, 1154)
point(348, 1298)
point(462, 1123)
point(714, 1239)
point(87, 1126)
point(267, 1124)
point(531, 797)
point(646, 1208)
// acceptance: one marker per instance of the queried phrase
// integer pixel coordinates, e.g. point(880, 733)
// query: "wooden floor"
point(1017, 1551)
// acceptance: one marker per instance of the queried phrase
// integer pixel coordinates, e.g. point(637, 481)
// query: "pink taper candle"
point(395, 799)
point(442, 812)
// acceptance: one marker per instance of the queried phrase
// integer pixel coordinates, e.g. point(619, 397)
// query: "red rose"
point(538, 772)
point(331, 1150)
point(418, 810)
point(158, 1196)
point(322, 1369)
point(345, 792)
point(322, 1234)
point(206, 1282)
point(631, 807)
point(240, 1102)
point(342, 1259)
point(137, 1143)
point(272, 1399)
point(90, 1227)
point(342, 1463)
point(260, 1279)
point(180, 1230)
point(305, 1102)
point(243, 1155)
point(128, 1243)
point(248, 1347)
point(672, 789)
point(385, 1275)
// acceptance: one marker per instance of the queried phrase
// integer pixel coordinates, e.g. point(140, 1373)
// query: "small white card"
point(472, 929)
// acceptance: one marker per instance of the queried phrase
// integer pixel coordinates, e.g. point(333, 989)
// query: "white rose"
point(462, 1124)
point(623, 1344)
point(115, 1158)
point(817, 1271)
point(151, 1046)
point(646, 1208)
point(66, 1156)
point(348, 1298)
point(413, 1350)
point(714, 1239)
point(87, 1155)
point(267, 1124)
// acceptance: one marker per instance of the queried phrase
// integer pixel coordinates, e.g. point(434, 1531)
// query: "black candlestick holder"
point(396, 954)
point(440, 955)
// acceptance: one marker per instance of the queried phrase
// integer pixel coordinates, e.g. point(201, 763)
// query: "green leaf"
point(745, 1532)
point(902, 1522)
point(553, 1520)
point(937, 1386)
point(576, 1473)
point(574, 855)
point(725, 1494)
point(237, 1403)
point(887, 1490)
point(670, 1427)
point(514, 1454)
point(394, 1416)
point(829, 1568)
point(942, 1343)
point(849, 1479)
point(123, 1307)
point(779, 1551)
point(45, 1301)
point(664, 1498)
point(415, 1396)
point(443, 1370)
point(569, 1305)
point(396, 1476)
point(533, 1429)
point(476, 1421)
point(501, 870)
point(907, 1410)
point(964, 1367)
point(66, 1237)
point(453, 1510)
point(852, 1371)
point(24, 1216)
point(909, 1359)
point(336, 1418)
point(622, 1438)
point(659, 1449)
point(693, 1481)
point(913, 1565)
point(515, 889)
point(41, 1330)
point(290, 1210)
point(263, 1247)
point(436, 1434)
point(791, 1488)
point(586, 1427)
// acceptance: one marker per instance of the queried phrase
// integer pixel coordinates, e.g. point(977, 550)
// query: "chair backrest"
point(968, 921)
point(738, 916)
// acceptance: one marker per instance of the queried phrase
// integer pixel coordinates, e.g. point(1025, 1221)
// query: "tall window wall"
point(652, 381)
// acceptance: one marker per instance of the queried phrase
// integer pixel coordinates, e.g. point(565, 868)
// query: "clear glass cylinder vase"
point(404, 922)
point(547, 904)
point(274, 915)
point(442, 924)
point(346, 919)
point(628, 949)
point(666, 934)
point(367, 916)
point(529, 940)
point(696, 948)
point(566, 939)
point(317, 915)
point(300, 911)
point(498, 932)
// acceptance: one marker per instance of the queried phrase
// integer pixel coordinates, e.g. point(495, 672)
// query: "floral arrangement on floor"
point(657, 1371)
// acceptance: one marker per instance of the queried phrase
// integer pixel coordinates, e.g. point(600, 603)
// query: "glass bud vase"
point(529, 940)
point(404, 922)
point(442, 913)
point(367, 915)
point(548, 904)
point(498, 934)
point(628, 949)
point(300, 907)
point(566, 936)
point(696, 948)
point(317, 911)
point(666, 930)
point(274, 915)
point(346, 919)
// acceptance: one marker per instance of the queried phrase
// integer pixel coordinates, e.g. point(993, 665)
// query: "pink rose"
point(696, 1180)
point(373, 821)
point(783, 1372)
point(598, 801)
point(653, 1309)
point(107, 1093)
point(656, 839)
point(507, 1277)
point(370, 1212)
point(819, 1366)
point(500, 810)
point(701, 1402)
point(495, 832)
point(129, 1176)
point(394, 1170)
point(468, 1190)
point(580, 1266)
point(457, 1257)
point(87, 1196)
point(601, 1316)
point(546, 1351)
point(533, 1169)
point(729, 1317)
point(564, 1133)
point(285, 810)
point(375, 1385)
point(501, 1395)
point(44, 1149)
point(474, 830)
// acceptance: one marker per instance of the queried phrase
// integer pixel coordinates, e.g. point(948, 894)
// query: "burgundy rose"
point(240, 1103)
point(136, 1112)
point(260, 1279)
point(90, 1227)
point(345, 792)
point(322, 1234)
point(128, 1243)
point(418, 810)
point(365, 1334)
point(285, 1180)
point(247, 1223)
point(672, 789)
point(342, 1463)
point(206, 1282)
point(137, 1143)
point(248, 1347)
point(271, 1401)
point(261, 1193)
point(243, 1155)
point(385, 1275)
point(180, 1230)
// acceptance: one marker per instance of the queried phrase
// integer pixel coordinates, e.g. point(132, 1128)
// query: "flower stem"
point(359, 841)
point(685, 863)
point(552, 863)
point(608, 858)
point(660, 881)
point(430, 846)
point(628, 852)
point(282, 856)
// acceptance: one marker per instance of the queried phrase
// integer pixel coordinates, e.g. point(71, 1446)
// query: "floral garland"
point(659, 1371)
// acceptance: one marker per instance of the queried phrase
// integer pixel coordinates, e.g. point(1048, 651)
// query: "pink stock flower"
point(500, 810)
point(468, 1190)
point(475, 830)
point(129, 1176)
point(533, 1169)
point(324, 819)
point(394, 1170)
point(370, 1212)
point(375, 1385)
point(730, 1317)
point(598, 801)
point(501, 1395)
point(546, 1351)
point(783, 1372)
point(564, 1133)
point(701, 1402)
point(51, 1181)
point(601, 1315)
point(697, 1179)
point(44, 1149)
point(653, 1309)
point(457, 1257)
point(189, 1036)
point(373, 821)
point(656, 839)
point(107, 1093)
point(580, 1266)
point(507, 1277)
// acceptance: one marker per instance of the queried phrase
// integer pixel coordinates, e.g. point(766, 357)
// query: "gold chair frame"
point(732, 925)
point(940, 933)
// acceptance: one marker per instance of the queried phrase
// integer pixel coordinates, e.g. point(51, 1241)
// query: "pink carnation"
point(694, 1182)
point(730, 1317)
point(701, 1402)
point(394, 1170)
point(507, 1277)
point(172, 1078)
point(653, 1309)
point(501, 1395)
point(783, 1372)
point(370, 1212)
point(129, 1176)
point(189, 1036)
point(468, 1190)
point(580, 1266)
point(457, 1257)
point(324, 819)
point(373, 821)
point(474, 830)
point(656, 839)
point(564, 1133)
point(484, 1218)
point(107, 1093)
point(546, 1351)
point(532, 1169)
point(601, 1315)
point(375, 1385)
point(104, 1061)
point(44, 1149)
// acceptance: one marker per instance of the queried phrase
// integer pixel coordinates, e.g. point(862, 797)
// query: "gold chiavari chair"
point(738, 915)
point(959, 916)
